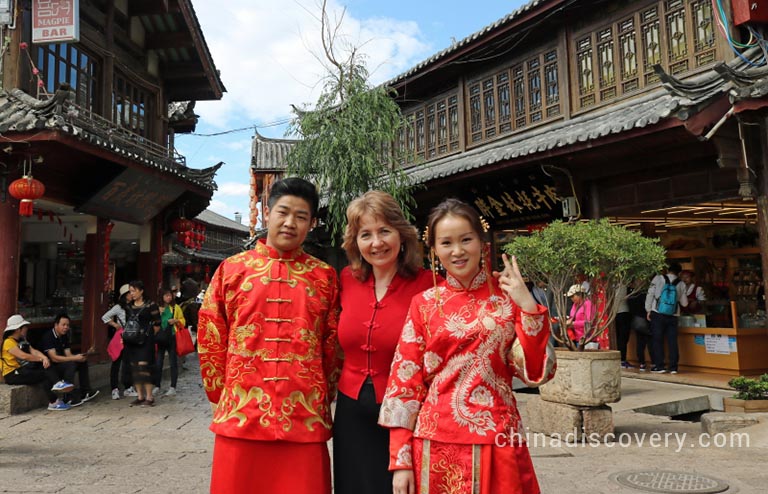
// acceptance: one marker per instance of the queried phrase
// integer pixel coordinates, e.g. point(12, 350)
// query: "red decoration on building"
point(26, 189)
point(181, 225)
point(107, 239)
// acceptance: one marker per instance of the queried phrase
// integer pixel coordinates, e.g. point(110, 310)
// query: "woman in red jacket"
point(376, 288)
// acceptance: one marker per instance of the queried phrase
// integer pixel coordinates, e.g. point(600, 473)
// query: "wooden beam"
point(151, 7)
point(168, 40)
point(182, 71)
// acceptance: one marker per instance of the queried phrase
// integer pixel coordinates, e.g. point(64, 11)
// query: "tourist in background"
point(114, 318)
point(170, 315)
point(142, 355)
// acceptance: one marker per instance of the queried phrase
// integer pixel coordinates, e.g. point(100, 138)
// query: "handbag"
point(164, 335)
point(184, 343)
point(641, 325)
point(115, 346)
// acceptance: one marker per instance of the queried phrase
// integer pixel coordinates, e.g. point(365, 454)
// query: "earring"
point(402, 247)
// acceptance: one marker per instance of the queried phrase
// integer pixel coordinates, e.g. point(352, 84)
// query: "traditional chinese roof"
point(520, 15)
point(174, 33)
point(739, 80)
point(677, 99)
point(268, 155)
point(631, 114)
point(22, 113)
point(216, 220)
point(182, 117)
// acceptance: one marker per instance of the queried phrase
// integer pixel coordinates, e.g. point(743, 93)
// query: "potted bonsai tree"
point(752, 395)
point(607, 256)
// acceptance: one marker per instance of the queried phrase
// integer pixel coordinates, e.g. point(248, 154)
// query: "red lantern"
point(26, 189)
point(181, 225)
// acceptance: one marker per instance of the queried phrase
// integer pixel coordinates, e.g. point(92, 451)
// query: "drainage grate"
point(671, 482)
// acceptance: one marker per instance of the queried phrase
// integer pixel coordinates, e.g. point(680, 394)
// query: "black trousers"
point(664, 327)
point(34, 376)
point(622, 332)
point(67, 371)
point(360, 446)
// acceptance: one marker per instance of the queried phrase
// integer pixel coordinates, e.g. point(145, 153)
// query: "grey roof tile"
point(20, 112)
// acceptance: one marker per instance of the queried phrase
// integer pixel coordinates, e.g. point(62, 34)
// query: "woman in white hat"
point(114, 318)
point(22, 364)
point(581, 311)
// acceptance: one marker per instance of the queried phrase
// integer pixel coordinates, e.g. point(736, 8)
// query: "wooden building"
point(93, 120)
point(638, 111)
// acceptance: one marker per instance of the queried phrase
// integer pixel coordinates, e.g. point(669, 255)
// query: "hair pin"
point(484, 224)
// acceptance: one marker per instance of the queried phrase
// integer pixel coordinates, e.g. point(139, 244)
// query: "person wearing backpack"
point(140, 342)
point(662, 304)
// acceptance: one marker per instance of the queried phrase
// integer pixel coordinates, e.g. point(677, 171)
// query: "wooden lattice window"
point(514, 98)
point(618, 58)
point(131, 106)
point(71, 64)
point(431, 130)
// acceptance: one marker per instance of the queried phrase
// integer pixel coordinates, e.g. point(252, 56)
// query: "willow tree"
point(346, 140)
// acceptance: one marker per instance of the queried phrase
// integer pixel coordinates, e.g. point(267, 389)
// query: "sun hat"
point(123, 290)
point(15, 322)
point(574, 289)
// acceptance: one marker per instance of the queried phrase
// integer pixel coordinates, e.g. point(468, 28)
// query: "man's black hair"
point(298, 187)
point(675, 268)
point(59, 317)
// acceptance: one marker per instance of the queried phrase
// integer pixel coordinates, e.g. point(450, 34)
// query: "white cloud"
point(264, 51)
point(233, 189)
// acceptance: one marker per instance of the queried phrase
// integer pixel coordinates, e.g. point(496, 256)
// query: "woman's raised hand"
point(511, 281)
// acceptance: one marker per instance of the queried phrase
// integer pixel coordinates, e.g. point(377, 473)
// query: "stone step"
point(682, 406)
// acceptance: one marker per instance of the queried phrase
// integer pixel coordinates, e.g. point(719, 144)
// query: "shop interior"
point(52, 269)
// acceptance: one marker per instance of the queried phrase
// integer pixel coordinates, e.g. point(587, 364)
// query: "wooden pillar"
point(145, 265)
point(108, 61)
point(762, 201)
point(10, 256)
point(94, 337)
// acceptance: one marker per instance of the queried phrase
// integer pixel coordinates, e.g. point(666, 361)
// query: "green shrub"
point(750, 388)
point(604, 254)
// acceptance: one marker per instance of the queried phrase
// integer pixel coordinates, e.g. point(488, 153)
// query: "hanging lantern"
point(181, 225)
point(26, 189)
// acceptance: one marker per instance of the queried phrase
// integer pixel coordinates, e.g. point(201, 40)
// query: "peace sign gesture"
point(511, 281)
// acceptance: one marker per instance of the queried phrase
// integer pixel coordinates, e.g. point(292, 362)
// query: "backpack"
point(133, 333)
point(667, 303)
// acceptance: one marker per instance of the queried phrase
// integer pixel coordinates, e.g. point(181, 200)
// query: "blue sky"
point(268, 52)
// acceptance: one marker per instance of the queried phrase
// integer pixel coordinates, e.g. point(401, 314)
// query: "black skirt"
point(360, 446)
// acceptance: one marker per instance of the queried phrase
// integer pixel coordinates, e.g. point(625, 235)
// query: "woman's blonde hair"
point(383, 206)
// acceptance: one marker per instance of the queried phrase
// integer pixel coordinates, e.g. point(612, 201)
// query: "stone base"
point(21, 398)
point(569, 423)
point(588, 378)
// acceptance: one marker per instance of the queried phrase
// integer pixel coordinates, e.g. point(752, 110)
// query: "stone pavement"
point(107, 447)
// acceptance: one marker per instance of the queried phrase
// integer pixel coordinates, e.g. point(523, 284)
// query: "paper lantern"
point(26, 189)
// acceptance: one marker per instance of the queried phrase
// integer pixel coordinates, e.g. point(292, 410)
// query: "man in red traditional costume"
point(269, 356)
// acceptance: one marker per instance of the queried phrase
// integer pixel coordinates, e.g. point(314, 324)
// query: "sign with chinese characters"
point(55, 21)
point(135, 196)
point(526, 198)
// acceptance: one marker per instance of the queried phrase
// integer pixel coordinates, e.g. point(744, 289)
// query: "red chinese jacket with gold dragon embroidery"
point(451, 378)
point(268, 346)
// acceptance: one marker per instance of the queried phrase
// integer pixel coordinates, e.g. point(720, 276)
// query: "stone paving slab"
point(106, 447)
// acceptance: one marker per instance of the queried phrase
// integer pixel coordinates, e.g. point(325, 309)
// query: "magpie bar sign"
point(55, 21)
